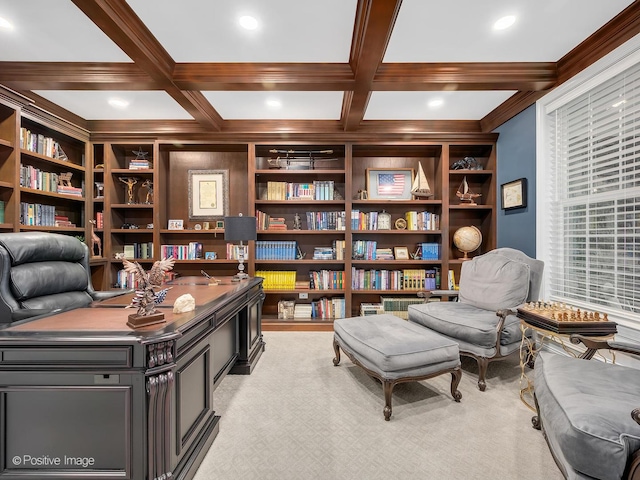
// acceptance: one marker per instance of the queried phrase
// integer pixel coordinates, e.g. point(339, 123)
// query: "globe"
point(467, 239)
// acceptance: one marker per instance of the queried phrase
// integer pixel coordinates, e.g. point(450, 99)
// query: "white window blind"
point(594, 183)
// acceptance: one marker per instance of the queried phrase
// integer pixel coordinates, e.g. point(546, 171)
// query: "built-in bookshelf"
point(320, 200)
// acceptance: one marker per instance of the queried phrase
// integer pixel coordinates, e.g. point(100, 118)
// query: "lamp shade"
point(240, 228)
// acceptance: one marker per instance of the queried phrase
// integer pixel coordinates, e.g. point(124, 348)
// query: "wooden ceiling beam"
point(374, 23)
point(75, 76)
point(121, 24)
point(465, 76)
point(264, 76)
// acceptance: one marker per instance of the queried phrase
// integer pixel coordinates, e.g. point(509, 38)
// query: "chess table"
point(553, 321)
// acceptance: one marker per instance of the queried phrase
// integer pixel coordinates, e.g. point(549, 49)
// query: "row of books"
point(326, 280)
point(277, 279)
point(326, 220)
point(235, 252)
point(37, 214)
point(422, 220)
point(139, 250)
point(398, 306)
point(99, 220)
point(364, 250)
point(276, 249)
point(429, 251)
point(35, 142)
point(32, 177)
point(318, 190)
point(191, 251)
point(264, 221)
point(334, 252)
point(407, 279)
point(323, 308)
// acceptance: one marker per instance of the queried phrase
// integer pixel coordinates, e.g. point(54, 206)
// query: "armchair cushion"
point(466, 323)
point(494, 282)
point(585, 408)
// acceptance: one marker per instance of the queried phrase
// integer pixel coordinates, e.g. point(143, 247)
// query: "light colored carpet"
point(297, 416)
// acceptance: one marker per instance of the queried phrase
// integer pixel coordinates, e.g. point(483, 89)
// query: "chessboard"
point(565, 319)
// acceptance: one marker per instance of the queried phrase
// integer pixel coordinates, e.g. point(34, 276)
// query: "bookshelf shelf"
point(300, 262)
point(6, 144)
point(301, 232)
point(61, 164)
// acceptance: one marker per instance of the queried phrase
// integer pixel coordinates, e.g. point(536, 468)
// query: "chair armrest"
point(597, 344)
point(426, 294)
point(105, 294)
point(635, 414)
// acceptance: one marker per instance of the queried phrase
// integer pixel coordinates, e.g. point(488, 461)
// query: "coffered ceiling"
point(166, 67)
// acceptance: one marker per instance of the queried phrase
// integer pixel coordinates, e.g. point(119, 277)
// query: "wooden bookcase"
point(249, 172)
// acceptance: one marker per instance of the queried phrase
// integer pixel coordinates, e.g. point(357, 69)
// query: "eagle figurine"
point(147, 283)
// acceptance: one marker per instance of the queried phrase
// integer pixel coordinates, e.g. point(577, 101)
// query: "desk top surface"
point(109, 317)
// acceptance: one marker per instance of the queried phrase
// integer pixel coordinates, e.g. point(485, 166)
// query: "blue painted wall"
point(516, 157)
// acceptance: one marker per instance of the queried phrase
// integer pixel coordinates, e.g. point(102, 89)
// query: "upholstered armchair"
point(42, 273)
point(589, 412)
point(481, 321)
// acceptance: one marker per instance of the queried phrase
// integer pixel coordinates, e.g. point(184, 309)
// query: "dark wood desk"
point(84, 396)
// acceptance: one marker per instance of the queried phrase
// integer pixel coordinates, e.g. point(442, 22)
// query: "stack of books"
point(139, 164)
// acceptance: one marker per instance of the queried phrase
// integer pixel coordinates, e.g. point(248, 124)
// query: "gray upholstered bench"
point(395, 351)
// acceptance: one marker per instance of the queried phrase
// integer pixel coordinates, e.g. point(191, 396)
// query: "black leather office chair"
point(42, 273)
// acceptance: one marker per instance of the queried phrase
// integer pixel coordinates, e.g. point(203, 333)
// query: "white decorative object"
point(184, 303)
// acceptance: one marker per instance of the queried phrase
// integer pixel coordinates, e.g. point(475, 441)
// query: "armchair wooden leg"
point(456, 375)
point(387, 386)
point(336, 348)
point(483, 363)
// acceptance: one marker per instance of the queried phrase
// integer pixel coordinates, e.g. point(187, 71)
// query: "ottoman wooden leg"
point(387, 386)
point(456, 375)
point(336, 348)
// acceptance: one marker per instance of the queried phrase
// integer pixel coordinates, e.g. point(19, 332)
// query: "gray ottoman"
point(395, 351)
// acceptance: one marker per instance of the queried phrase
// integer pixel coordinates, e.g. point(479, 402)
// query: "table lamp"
point(240, 229)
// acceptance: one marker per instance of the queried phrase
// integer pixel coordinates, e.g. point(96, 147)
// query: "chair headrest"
point(28, 247)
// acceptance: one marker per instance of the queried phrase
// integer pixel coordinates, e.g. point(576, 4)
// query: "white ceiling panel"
point(288, 30)
point(461, 30)
point(276, 105)
point(53, 31)
point(94, 105)
point(450, 105)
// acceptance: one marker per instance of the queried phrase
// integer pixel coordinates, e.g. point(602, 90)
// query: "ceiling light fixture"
point(118, 103)
point(248, 22)
point(273, 103)
point(5, 24)
point(617, 104)
point(504, 22)
point(435, 103)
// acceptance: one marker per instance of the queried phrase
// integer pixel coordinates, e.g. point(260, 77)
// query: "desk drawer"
point(66, 357)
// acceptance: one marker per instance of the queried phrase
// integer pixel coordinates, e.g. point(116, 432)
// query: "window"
point(591, 193)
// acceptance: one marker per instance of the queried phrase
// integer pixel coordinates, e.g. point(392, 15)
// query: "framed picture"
point(208, 194)
point(389, 183)
point(176, 225)
point(514, 194)
point(220, 225)
point(401, 253)
point(210, 255)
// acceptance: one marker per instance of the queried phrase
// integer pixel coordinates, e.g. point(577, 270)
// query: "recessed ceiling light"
point(118, 103)
point(435, 103)
point(5, 24)
point(617, 104)
point(504, 22)
point(248, 22)
point(273, 103)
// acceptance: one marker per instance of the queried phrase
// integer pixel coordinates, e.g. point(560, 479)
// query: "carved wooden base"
point(137, 321)
point(388, 385)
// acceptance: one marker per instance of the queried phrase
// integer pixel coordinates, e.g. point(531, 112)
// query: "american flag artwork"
point(391, 184)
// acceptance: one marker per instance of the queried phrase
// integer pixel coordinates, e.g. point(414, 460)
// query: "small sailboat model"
point(465, 194)
point(420, 187)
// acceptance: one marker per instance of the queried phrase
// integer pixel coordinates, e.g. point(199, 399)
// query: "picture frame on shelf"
point(389, 183)
point(220, 225)
point(208, 194)
point(210, 255)
point(401, 253)
point(175, 224)
point(514, 194)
